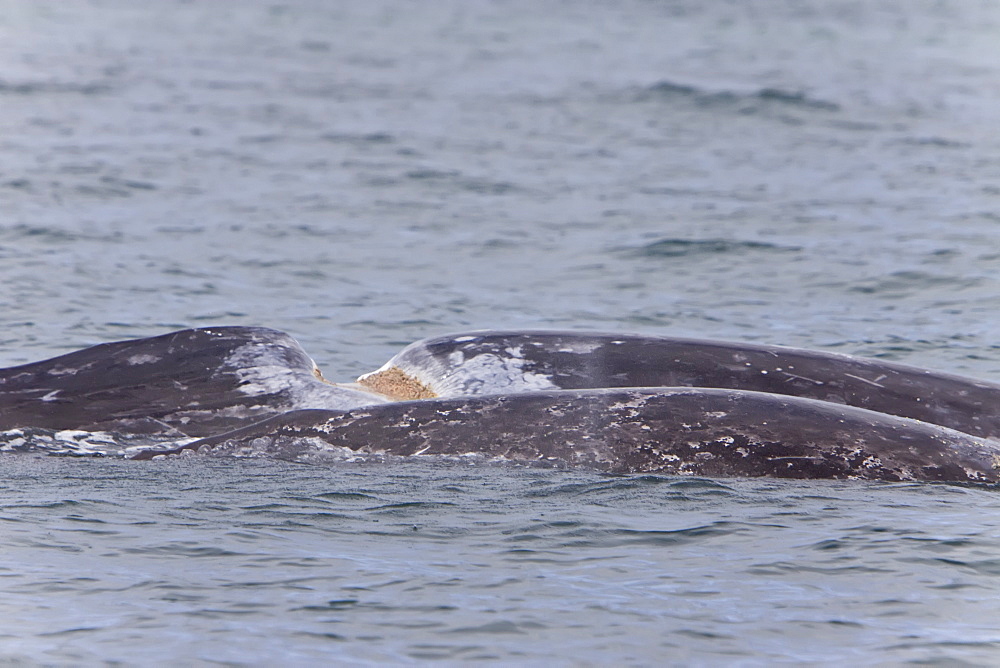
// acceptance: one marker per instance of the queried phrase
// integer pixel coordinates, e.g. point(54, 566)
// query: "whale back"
point(681, 431)
point(495, 362)
point(193, 382)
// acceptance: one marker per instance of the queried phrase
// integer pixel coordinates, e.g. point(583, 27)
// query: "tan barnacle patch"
point(396, 384)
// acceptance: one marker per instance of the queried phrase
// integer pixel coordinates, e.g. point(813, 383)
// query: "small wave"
point(358, 139)
point(693, 247)
point(988, 567)
point(41, 87)
point(110, 186)
point(46, 233)
point(574, 488)
point(933, 142)
point(407, 506)
point(673, 536)
point(340, 497)
point(556, 535)
point(186, 549)
point(795, 99)
point(501, 626)
point(780, 568)
point(456, 179)
point(901, 282)
point(744, 102)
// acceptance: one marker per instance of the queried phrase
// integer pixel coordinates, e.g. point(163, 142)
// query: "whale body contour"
point(611, 402)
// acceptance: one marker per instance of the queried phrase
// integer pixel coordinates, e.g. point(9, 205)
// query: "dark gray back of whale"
point(518, 395)
point(193, 382)
point(578, 360)
point(687, 431)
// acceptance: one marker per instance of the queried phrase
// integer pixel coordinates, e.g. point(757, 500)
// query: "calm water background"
point(820, 174)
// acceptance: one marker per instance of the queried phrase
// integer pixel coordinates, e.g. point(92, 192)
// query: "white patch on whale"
point(263, 371)
point(491, 374)
point(142, 358)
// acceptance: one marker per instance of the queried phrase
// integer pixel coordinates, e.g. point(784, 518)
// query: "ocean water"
point(362, 175)
point(263, 563)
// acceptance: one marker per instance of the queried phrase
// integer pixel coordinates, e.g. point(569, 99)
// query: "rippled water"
point(362, 175)
point(260, 562)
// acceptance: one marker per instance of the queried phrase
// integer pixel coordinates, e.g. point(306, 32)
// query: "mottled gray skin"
point(518, 396)
point(576, 360)
point(194, 382)
point(687, 431)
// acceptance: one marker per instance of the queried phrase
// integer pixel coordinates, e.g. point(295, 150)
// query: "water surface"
point(363, 175)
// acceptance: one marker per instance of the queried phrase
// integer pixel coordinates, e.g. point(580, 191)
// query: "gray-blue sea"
point(365, 174)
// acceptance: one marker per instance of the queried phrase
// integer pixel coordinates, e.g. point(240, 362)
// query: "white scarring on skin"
point(262, 371)
point(486, 373)
point(579, 347)
point(491, 374)
point(141, 358)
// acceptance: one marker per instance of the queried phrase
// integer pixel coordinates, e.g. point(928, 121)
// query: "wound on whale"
point(605, 401)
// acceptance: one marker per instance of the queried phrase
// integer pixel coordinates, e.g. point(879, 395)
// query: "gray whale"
point(611, 402)
point(685, 431)
point(518, 361)
point(195, 382)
